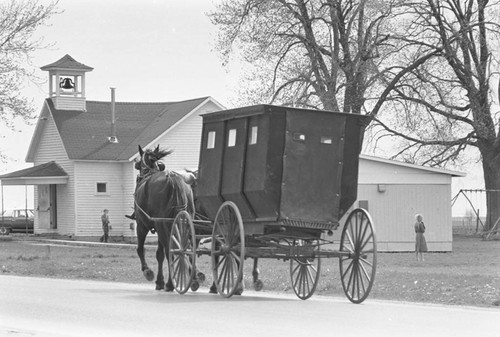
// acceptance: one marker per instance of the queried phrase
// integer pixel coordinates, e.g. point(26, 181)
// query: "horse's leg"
point(169, 286)
point(213, 288)
point(141, 238)
point(163, 243)
point(160, 257)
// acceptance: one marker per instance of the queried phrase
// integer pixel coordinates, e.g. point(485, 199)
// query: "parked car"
point(17, 220)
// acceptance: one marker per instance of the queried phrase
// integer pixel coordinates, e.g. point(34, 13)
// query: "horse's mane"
point(158, 153)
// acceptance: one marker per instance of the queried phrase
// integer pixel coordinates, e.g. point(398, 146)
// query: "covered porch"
point(46, 178)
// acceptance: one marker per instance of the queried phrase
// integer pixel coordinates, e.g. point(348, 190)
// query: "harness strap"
point(150, 223)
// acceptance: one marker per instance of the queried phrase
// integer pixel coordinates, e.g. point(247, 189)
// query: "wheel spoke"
point(365, 242)
point(364, 269)
point(366, 261)
point(176, 242)
point(353, 246)
point(349, 267)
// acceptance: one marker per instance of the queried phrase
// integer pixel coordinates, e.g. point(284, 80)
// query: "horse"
point(159, 195)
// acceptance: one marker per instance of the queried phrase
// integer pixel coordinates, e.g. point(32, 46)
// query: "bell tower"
point(67, 83)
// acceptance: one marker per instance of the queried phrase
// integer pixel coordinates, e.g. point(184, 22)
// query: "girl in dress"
point(420, 243)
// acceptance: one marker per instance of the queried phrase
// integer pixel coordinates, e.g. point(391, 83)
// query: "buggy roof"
point(263, 109)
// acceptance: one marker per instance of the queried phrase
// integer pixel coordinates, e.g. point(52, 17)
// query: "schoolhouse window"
point(231, 139)
point(211, 140)
point(253, 135)
point(102, 188)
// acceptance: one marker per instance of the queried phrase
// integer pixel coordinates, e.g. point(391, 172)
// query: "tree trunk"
point(491, 170)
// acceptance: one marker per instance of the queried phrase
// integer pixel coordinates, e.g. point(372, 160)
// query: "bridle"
point(146, 169)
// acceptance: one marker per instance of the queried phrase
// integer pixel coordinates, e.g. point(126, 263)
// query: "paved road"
point(53, 307)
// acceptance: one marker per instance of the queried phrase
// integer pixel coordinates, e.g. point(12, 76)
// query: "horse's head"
point(149, 160)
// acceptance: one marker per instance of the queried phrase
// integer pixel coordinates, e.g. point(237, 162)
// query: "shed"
point(394, 192)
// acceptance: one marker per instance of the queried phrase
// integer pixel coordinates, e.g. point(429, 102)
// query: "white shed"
point(394, 192)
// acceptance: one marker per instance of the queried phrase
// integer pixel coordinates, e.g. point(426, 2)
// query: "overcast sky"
point(149, 50)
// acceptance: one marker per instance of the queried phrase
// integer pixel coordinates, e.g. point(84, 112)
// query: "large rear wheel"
point(228, 249)
point(359, 263)
point(182, 253)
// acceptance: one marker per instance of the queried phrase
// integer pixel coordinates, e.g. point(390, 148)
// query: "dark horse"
point(159, 195)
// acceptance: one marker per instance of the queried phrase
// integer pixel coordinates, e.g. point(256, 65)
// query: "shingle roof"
point(50, 169)
point(85, 133)
point(67, 62)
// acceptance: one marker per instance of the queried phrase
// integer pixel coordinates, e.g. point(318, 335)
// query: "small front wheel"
point(182, 253)
point(305, 270)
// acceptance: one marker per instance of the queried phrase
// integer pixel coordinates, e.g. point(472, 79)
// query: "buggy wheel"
point(358, 266)
point(228, 249)
point(305, 271)
point(182, 253)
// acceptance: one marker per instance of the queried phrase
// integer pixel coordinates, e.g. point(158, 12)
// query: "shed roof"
point(414, 166)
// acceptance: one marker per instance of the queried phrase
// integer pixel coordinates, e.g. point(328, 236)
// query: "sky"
point(149, 50)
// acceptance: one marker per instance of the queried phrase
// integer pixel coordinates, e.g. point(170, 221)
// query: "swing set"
point(475, 198)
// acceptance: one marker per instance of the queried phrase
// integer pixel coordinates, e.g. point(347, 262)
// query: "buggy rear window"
point(231, 138)
point(253, 135)
point(211, 140)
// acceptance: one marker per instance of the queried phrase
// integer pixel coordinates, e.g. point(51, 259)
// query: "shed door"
point(312, 166)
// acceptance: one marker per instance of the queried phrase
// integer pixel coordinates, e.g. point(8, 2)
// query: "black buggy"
point(274, 182)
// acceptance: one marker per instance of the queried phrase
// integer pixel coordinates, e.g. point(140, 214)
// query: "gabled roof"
point(85, 133)
point(66, 63)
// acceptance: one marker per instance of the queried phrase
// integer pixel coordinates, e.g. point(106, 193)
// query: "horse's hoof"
point(159, 286)
point(213, 290)
point(149, 274)
point(169, 289)
point(200, 276)
point(239, 291)
point(195, 285)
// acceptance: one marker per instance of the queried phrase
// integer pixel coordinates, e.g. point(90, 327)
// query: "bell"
point(66, 83)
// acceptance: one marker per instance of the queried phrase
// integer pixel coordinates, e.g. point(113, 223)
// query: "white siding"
point(69, 103)
point(185, 140)
point(393, 213)
point(394, 173)
point(51, 148)
point(118, 199)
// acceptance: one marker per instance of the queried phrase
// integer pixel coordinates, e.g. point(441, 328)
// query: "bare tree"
point(421, 69)
point(19, 19)
point(314, 53)
point(444, 106)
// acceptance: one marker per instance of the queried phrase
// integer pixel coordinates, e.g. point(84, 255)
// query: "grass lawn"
point(470, 275)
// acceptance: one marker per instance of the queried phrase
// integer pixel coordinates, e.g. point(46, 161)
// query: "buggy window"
point(231, 138)
point(253, 135)
point(211, 140)
point(326, 140)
